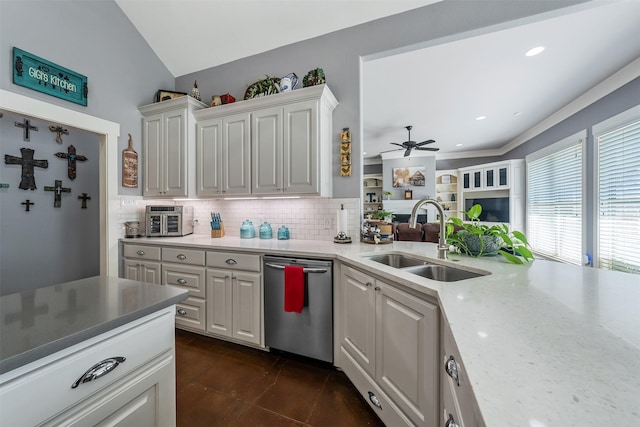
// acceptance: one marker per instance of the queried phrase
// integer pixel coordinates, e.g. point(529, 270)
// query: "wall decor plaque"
point(129, 166)
point(44, 76)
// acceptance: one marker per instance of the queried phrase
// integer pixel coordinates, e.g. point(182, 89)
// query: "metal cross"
point(28, 181)
point(57, 200)
point(26, 126)
point(71, 157)
point(84, 199)
point(59, 130)
point(27, 203)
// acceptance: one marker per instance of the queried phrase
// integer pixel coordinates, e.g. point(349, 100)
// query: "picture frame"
point(163, 95)
point(408, 194)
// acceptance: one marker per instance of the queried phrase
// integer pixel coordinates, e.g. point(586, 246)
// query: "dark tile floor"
point(224, 384)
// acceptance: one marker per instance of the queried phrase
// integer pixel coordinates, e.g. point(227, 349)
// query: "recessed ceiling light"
point(458, 145)
point(517, 113)
point(534, 51)
point(481, 118)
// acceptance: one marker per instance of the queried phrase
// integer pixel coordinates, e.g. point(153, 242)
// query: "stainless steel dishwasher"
point(309, 333)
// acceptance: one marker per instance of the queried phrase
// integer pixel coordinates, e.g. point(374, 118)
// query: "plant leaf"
point(474, 212)
point(526, 253)
point(520, 236)
point(510, 257)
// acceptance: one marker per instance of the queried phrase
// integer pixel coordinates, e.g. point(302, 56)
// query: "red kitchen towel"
point(293, 288)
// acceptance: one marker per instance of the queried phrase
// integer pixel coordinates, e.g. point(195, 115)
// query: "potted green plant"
point(383, 215)
point(476, 239)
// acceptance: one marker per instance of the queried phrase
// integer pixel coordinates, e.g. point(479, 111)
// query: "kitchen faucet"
point(442, 246)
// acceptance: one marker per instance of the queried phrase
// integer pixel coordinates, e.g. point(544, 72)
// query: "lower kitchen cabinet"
point(389, 348)
point(142, 263)
point(234, 297)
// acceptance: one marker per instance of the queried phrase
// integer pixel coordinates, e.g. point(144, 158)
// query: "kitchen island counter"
point(543, 344)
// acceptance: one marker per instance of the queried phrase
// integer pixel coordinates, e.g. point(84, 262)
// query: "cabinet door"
point(476, 180)
point(146, 271)
point(209, 158)
point(300, 148)
point(358, 317)
point(152, 155)
point(247, 307)
point(490, 178)
point(266, 131)
point(503, 176)
point(219, 297)
point(407, 352)
point(466, 180)
point(236, 158)
point(175, 153)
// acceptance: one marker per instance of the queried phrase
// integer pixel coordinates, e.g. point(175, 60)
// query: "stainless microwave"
point(169, 221)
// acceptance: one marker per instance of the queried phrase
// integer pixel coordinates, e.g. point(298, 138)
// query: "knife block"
point(218, 233)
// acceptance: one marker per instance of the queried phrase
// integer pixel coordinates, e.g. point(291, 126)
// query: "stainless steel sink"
point(425, 267)
point(396, 260)
point(442, 273)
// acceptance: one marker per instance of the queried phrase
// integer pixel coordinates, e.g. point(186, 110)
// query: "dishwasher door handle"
point(306, 269)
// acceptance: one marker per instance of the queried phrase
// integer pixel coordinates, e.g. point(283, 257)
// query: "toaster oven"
point(169, 221)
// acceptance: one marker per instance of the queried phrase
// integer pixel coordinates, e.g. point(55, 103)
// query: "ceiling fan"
point(409, 145)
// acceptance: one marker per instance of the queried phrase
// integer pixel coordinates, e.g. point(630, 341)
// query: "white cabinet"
point(139, 390)
point(142, 263)
point(273, 145)
point(168, 147)
point(490, 176)
point(234, 297)
point(447, 192)
point(389, 348)
point(223, 148)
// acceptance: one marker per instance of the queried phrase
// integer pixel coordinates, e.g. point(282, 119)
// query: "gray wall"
point(429, 164)
point(96, 39)
point(339, 55)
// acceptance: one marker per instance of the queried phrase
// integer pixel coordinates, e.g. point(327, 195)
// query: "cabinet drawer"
point(183, 256)
point(234, 261)
point(142, 252)
point(190, 313)
point(185, 276)
point(43, 388)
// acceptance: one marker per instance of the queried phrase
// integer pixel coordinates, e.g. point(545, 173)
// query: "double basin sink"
point(425, 267)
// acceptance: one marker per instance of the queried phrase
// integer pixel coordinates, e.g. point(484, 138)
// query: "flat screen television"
point(494, 209)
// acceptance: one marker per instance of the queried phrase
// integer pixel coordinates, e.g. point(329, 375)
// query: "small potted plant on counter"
point(382, 215)
point(476, 239)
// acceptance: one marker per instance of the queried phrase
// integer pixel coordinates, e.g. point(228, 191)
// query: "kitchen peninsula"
point(542, 344)
point(88, 351)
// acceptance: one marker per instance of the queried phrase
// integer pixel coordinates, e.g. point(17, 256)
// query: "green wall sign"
point(44, 76)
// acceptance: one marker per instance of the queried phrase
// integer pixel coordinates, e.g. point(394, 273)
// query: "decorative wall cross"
point(28, 181)
point(84, 199)
point(27, 203)
point(71, 157)
point(59, 130)
point(26, 126)
point(57, 200)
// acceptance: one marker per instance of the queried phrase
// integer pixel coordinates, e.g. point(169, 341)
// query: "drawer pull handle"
point(231, 261)
point(181, 281)
point(182, 312)
point(374, 399)
point(450, 422)
point(100, 369)
point(451, 366)
point(182, 257)
point(140, 252)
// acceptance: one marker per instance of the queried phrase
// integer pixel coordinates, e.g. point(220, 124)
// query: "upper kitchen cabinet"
point(288, 151)
point(168, 147)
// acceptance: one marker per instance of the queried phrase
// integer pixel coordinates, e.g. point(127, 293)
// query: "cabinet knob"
point(231, 261)
point(451, 366)
point(374, 399)
point(182, 257)
point(377, 288)
point(140, 252)
point(99, 369)
point(369, 284)
point(181, 281)
point(182, 312)
point(450, 422)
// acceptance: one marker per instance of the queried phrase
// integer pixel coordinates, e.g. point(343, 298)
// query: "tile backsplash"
point(309, 219)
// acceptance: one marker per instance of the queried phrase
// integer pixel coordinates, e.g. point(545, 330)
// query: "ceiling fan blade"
point(406, 153)
point(399, 145)
point(428, 141)
point(427, 148)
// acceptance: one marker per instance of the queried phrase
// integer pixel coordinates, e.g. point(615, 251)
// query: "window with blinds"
point(619, 198)
point(554, 200)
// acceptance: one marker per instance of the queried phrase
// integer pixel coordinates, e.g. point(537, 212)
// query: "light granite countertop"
point(40, 322)
point(544, 344)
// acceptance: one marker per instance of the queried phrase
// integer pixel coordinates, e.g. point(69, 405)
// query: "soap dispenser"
point(265, 231)
point(247, 230)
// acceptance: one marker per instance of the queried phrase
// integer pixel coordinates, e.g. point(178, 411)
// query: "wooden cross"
point(28, 181)
point(71, 157)
point(59, 130)
point(84, 199)
point(27, 203)
point(57, 200)
point(26, 126)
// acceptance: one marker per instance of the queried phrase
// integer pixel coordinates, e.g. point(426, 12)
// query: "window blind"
point(619, 199)
point(554, 204)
